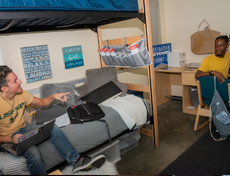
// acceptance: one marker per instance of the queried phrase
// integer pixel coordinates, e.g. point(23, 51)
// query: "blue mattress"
point(84, 5)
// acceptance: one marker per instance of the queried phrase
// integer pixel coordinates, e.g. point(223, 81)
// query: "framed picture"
point(73, 56)
point(36, 63)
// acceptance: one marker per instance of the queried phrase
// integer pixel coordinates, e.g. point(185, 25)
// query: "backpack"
point(220, 116)
point(86, 113)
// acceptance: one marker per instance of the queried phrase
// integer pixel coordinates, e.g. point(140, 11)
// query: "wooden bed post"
point(99, 36)
point(148, 34)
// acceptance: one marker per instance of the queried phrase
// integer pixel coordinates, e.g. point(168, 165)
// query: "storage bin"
point(194, 97)
point(111, 152)
point(124, 150)
point(129, 141)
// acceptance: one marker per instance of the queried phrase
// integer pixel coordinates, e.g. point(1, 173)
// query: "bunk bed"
point(28, 17)
point(150, 87)
point(44, 15)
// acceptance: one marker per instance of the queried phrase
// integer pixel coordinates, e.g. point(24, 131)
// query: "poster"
point(36, 63)
point(73, 56)
point(160, 55)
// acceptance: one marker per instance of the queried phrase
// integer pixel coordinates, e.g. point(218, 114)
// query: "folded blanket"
point(131, 108)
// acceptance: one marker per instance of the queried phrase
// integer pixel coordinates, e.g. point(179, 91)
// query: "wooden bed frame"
point(150, 88)
point(35, 20)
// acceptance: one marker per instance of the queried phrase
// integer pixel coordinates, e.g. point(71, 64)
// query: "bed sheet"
point(86, 5)
point(82, 136)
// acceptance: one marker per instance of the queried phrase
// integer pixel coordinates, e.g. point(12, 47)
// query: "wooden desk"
point(176, 76)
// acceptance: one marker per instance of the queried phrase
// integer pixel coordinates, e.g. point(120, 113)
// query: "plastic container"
point(194, 97)
point(124, 150)
point(111, 152)
point(129, 141)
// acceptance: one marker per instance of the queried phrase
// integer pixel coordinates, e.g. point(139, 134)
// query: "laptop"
point(30, 138)
point(104, 93)
point(49, 114)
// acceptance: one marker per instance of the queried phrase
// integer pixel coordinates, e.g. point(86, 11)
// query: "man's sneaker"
point(86, 163)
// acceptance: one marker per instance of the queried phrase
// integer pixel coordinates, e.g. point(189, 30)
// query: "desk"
point(176, 76)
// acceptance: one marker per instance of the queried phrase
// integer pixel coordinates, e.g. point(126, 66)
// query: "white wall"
point(155, 21)
point(180, 19)
point(128, 28)
point(10, 46)
point(1, 59)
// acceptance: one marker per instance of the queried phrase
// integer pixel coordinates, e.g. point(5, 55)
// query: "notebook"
point(104, 93)
point(30, 138)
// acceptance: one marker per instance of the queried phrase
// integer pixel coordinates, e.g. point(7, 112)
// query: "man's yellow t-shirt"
point(214, 63)
point(13, 120)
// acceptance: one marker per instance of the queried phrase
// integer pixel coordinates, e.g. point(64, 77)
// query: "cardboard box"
point(177, 59)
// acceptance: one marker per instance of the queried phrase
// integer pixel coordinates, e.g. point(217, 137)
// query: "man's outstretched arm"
point(46, 101)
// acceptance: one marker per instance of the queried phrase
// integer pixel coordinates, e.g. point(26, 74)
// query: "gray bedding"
point(84, 136)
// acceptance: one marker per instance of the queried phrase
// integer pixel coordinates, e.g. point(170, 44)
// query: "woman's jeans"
point(60, 141)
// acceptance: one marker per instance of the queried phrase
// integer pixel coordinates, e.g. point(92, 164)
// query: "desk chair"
point(205, 88)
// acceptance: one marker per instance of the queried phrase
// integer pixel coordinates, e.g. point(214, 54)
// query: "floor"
point(176, 134)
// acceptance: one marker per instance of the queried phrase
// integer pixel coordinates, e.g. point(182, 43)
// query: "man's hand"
point(219, 76)
point(15, 138)
point(61, 96)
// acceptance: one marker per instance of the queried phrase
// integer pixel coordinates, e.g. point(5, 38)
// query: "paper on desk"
point(63, 120)
point(190, 107)
point(167, 68)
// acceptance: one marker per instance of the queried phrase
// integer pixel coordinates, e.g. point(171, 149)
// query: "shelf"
point(190, 111)
point(187, 100)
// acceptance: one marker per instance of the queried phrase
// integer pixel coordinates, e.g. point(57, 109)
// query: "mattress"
point(82, 136)
point(84, 5)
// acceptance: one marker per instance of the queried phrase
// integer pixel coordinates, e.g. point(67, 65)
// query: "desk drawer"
point(188, 79)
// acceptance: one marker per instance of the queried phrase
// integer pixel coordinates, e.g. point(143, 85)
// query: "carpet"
point(204, 157)
point(108, 168)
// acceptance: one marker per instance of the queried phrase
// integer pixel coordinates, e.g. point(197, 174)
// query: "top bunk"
point(44, 15)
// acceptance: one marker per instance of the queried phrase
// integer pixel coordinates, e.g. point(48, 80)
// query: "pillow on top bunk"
point(97, 77)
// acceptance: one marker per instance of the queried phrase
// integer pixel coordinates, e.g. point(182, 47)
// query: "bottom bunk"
point(89, 138)
point(124, 116)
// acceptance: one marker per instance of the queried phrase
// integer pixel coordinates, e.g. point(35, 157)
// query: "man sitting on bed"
point(13, 100)
point(217, 64)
